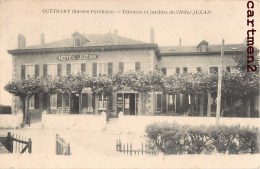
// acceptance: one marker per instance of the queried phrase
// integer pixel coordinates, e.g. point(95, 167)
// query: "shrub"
point(176, 139)
point(5, 109)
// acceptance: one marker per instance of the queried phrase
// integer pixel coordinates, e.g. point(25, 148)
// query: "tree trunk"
point(209, 104)
point(96, 104)
point(144, 103)
point(22, 100)
point(201, 105)
point(63, 103)
point(247, 106)
point(27, 110)
point(140, 102)
point(80, 103)
point(107, 111)
point(192, 104)
point(48, 103)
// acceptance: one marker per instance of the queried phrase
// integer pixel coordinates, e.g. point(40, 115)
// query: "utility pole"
point(220, 72)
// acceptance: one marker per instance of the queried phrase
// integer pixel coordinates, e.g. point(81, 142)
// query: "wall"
point(74, 122)
point(12, 121)
point(137, 124)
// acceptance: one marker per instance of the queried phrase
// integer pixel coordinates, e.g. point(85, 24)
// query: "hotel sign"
point(77, 57)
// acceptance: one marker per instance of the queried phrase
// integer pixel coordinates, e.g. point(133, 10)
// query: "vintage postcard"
point(129, 84)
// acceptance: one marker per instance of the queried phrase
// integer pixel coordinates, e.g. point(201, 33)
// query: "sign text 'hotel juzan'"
point(77, 57)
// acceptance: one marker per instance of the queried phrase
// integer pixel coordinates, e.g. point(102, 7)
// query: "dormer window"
point(77, 42)
point(203, 46)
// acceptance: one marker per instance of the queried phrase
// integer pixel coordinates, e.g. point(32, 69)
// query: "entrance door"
point(74, 104)
point(127, 102)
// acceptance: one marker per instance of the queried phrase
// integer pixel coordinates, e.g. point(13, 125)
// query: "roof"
point(194, 50)
point(94, 40)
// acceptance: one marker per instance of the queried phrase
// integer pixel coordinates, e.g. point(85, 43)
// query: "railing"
point(17, 144)
point(62, 148)
point(128, 149)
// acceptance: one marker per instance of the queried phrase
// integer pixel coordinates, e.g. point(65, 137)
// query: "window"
point(102, 102)
point(75, 68)
point(53, 101)
point(192, 70)
point(185, 70)
point(177, 70)
point(199, 69)
point(159, 102)
point(52, 69)
point(213, 69)
point(203, 48)
point(129, 66)
point(228, 68)
point(77, 42)
point(31, 103)
point(102, 68)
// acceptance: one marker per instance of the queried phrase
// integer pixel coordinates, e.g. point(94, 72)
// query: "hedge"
point(184, 139)
point(5, 109)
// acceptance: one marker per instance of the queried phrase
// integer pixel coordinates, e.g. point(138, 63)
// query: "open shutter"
point(36, 71)
point(45, 70)
point(164, 71)
point(164, 103)
point(36, 101)
point(121, 67)
point(59, 100)
point(22, 71)
point(110, 68)
point(83, 67)
point(159, 102)
point(137, 66)
point(94, 69)
point(59, 69)
point(68, 68)
point(84, 100)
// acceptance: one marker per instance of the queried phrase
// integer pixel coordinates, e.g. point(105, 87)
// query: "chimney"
point(180, 41)
point(152, 35)
point(21, 41)
point(42, 39)
point(115, 37)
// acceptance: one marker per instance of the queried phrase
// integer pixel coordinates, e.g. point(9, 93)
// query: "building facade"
point(107, 54)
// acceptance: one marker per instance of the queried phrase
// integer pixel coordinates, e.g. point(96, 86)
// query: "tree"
point(25, 89)
point(102, 85)
point(143, 83)
point(78, 83)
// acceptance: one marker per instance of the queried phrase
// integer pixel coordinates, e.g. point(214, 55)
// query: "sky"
point(227, 20)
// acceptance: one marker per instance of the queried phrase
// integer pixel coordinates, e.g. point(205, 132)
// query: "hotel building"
point(98, 54)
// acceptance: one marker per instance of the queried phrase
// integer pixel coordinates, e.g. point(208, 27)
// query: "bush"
point(5, 109)
point(177, 139)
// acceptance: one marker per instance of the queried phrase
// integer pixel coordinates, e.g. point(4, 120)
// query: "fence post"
point(56, 143)
point(9, 142)
point(68, 151)
point(29, 145)
point(131, 149)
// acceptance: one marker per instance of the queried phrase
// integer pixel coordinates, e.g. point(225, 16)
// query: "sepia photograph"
point(122, 84)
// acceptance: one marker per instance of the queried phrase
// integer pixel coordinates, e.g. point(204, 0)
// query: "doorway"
point(127, 102)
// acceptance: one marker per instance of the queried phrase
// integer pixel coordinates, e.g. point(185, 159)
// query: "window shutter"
point(22, 71)
point(121, 67)
point(164, 104)
point(68, 68)
point(59, 69)
point(36, 101)
point(36, 71)
point(84, 100)
point(185, 70)
point(93, 102)
point(110, 103)
point(110, 68)
point(164, 71)
point(83, 67)
point(94, 69)
point(44, 100)
point(45, 70)
point(137, 66)
point(59, 100)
